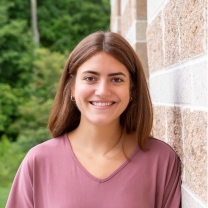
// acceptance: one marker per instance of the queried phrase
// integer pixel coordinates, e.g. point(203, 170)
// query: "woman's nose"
point(103, 89)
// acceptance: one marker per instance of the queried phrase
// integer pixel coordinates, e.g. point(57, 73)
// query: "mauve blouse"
point(50, 176)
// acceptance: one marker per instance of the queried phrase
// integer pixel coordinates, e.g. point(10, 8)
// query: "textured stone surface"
point(141, 50)
point(182, 85)
point(171, 15)
point(189, 200)
point(141, 12)
point(200, 83)
point(153, 6)
point(141, 27)
point(159, 123)
point(155, 45)
point(115, 12)
point(174, 131)
point(195, 151)
point(154, 88)
point(206, 27)
point(127, 18)
point(137, 32)
point(192, 21)
point(166, 87)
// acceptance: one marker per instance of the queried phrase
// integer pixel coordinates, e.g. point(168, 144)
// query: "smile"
point(102, 104)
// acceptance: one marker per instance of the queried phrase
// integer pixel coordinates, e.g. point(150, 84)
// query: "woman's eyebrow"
point(116, 73)
point(109, 75)
point(91, 72)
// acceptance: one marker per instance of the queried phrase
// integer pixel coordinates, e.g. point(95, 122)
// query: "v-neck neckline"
point(111, 175)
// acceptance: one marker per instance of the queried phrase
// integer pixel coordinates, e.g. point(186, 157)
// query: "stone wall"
point(129, 18)
point(176, 41)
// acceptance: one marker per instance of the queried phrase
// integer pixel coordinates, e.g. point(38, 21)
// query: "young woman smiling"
point(102, 154)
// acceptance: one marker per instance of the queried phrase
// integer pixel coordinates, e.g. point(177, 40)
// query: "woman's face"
point(101, 89)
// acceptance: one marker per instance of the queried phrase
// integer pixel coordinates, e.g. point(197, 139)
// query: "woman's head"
point(65, 116)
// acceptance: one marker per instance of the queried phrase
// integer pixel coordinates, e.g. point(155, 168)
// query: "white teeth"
point(101, 104)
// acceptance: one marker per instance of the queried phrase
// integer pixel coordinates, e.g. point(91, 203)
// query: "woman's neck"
point(97, 139)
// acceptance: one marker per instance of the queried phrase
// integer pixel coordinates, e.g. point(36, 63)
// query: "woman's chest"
point(80, 191)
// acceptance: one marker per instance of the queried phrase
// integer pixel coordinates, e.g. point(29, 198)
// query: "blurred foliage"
point(29, 75)
point(62, 24)
point(68, 21)
point(11, 157)
point(34, 113)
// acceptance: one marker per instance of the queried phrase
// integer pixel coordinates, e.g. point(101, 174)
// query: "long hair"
point(137, 117)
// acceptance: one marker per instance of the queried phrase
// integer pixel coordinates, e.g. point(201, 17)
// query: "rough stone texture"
point(189, 200)
point(174, 131)
point(141, 27)
point(195, 151)
point(192, 23)
point(153, 6)
point(200, 83)
point(166, 87)
point(137, 32)
point(182, 85)
point(134, 10)
point(141, 12)
point(154, 86)
point(127, 18)
point(206, 28)
point(155, 45)
point(159, 123)
point(171, 34)
point(141, 50)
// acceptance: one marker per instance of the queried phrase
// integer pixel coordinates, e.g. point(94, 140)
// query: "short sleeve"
point(172, 196)
point(21, 194)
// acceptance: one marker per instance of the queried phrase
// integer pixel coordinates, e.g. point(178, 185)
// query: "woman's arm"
point(21, 194)
point(172, 196)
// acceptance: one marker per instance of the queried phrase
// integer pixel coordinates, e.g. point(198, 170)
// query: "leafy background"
point(29, 72)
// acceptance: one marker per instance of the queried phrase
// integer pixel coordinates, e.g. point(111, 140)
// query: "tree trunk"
point(34, 21)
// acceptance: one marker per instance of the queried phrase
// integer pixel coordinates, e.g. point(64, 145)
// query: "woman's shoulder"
point(50, 147)
point(160, 148)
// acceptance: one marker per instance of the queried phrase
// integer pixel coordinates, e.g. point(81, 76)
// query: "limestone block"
point(192, 32)
point(166, 87)
point(127, 18)
point(190, 200)
point(171, 15)
point(154, 88)
point(141, 50)
point(174, 131)
point(195, 151)
point(182, 85)
point(159, 128)
point(141, 27)
point(115, 12)
point(200, 83)
point(155, 45)
point(141, 9)
point(153, 7)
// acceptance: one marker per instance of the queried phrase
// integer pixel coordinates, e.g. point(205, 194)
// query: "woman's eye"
point(117, 80)
point(90, 79)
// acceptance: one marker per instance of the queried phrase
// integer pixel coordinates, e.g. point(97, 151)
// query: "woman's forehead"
point(102, 62)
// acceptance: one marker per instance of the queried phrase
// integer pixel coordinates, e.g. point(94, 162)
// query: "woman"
point(102, 154)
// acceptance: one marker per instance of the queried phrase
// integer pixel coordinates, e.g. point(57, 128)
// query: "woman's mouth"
point(102, 104)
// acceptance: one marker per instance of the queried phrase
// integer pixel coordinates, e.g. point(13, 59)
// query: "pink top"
point(50, 176)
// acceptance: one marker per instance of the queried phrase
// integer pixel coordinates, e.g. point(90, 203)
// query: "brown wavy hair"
point(137, 117)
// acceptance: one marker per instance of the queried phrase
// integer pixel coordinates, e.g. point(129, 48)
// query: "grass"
point(4, 192)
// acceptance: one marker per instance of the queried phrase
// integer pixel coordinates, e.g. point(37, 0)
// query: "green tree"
point(25, 79)
point(63, 23)
point(31, 125)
